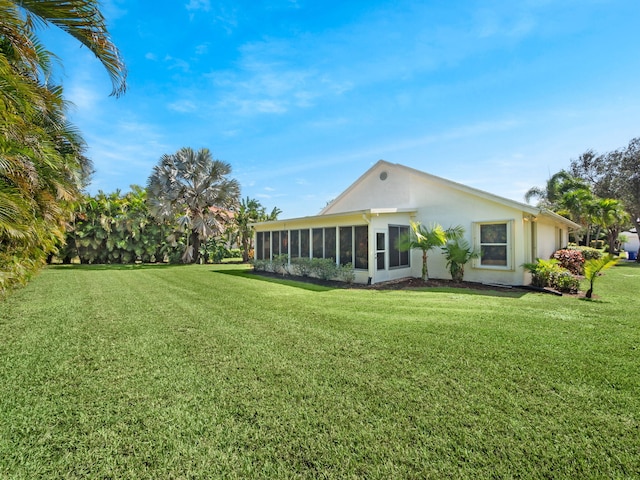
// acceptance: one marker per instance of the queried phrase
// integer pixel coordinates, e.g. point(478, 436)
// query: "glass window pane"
point(304, 243)
point(284, 242)
point(362, 247)
point(258, 253)
point(493, 233)
point(330, 243)
point(275, 243)
point(494, 255)
point(346, 245)
point(295, 243)
point(317, 243)
point(394, 253)
point(267, 245)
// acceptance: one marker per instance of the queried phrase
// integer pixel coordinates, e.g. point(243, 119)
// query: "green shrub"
point(549, 273)
point(588, 253)
point(542, 271)
point(301, 266)
point(565, 282)
point(281, 264)
point(347, 273)
point(324, 268)
point(260, 265)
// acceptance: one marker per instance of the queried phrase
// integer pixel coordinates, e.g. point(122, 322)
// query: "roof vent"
point(383, 176)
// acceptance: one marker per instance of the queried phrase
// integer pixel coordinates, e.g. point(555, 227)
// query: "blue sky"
point(301, 97)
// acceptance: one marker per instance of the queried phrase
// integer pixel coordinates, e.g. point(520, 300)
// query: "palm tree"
point(43, 166)
point(82, 19)
point(559, 184)
point(428, 238)
point(611, 216)
point(458, 253)
point(250, 211)
point(593, 267)
point(193, 189)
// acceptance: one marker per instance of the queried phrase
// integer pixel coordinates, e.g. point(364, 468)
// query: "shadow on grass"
point(306, 284)
point(316, 285)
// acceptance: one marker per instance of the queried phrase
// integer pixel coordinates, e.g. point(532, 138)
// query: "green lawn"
point(209, 372)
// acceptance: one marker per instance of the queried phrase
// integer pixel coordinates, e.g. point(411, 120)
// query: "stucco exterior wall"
point(391, 194)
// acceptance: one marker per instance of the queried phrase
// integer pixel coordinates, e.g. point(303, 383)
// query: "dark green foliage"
point(117, 228)
point(592, 269)
point(550, 273)
point(588, 253)
point(458, 253)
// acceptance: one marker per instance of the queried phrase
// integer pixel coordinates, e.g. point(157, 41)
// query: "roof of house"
point(457, 186)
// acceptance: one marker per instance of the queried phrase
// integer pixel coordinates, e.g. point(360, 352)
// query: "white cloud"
point(204, 5)
point(177, 63)
point(183, 106)
point(202, 49)
point(151, 56)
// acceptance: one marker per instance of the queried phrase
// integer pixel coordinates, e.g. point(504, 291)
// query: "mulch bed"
point(412, 283)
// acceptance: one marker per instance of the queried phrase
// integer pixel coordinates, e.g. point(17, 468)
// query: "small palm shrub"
point(570, 259)
point(592, 269)
point(458, 252)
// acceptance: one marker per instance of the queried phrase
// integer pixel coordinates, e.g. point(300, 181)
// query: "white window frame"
point(509, 244)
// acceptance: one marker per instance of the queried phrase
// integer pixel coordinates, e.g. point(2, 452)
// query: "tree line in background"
point(601, 192)
point(190, 212)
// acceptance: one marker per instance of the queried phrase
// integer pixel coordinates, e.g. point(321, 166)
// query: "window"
point(397, 258)
point(346, 245)
point(267, 246)
point(330, 243)
point(495, 244)
point(317, 243)
point(275, 243)
point(304, 243)
point(361, 235)
point(284, 243)
point(259, 253)
point(295, 243)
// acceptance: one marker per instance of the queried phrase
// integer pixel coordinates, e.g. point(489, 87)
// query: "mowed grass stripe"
point(203, 371)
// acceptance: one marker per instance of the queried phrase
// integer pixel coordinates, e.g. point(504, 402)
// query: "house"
point(632, 244)
point(363, 224)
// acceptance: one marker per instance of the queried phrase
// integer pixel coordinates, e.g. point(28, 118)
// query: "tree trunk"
point(425, 273)
point(245, 249)
point(195, 241)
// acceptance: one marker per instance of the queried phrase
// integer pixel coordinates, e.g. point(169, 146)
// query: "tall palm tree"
point(192, 189)
point(559, 184)
point(613, 218)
